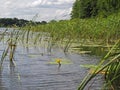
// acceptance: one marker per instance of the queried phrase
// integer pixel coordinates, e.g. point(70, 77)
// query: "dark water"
point(33, 71)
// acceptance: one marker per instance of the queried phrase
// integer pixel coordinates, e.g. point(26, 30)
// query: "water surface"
point(34, 72)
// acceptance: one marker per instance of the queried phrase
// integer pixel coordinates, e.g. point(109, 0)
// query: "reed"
point(11, 46)
point(103, 30)
point(112, 67)
point(4, 54)
point(2, 35)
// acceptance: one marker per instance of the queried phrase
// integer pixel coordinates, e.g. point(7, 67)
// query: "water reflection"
point(37, 74)
point(1, 83)
point(92, 50)
point(14, 79)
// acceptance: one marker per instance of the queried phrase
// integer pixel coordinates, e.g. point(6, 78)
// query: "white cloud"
point(7, 3)
point(65, 1)
point(49, 2)
point(47, 9)
point(35, 3)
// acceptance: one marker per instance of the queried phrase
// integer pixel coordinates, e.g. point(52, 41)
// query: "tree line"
point(93, 8)
point(10, 22)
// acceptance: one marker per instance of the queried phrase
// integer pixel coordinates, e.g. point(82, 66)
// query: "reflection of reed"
point(15, 82)
point(59, 65)
point(12, 67)
point(1, 84)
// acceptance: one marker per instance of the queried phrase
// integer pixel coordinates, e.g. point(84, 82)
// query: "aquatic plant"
point(11, 47)
point(4, 54)
point(112, 67)
point(98, 30)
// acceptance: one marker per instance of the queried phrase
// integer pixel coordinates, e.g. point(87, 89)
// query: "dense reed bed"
point(102, 29)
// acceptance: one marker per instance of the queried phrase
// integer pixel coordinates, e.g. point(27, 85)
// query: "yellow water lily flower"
point(58, 61)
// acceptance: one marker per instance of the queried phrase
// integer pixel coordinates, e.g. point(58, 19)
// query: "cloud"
point(47, 9)
point(49, 2)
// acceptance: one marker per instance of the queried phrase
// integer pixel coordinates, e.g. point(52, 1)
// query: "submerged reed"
point(11, 47)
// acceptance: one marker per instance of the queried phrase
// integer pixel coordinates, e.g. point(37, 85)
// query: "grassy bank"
point(95, 29)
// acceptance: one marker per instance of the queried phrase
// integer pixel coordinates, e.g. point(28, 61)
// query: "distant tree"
point(9, 22)
point(84, 9)
point(88, 8)
point(43, 22)
point(92, 8)
point(76, 9)
point(107, 7)
point(53, 21)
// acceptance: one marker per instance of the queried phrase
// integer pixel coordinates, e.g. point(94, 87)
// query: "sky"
point(37, 10)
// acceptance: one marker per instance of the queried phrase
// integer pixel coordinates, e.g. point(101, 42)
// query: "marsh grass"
point(4, 54)
point(12, 40)
point(104, 31)
point(13, 43)
point(112, 75)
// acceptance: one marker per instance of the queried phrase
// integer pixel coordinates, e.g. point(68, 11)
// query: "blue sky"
point(44, 9)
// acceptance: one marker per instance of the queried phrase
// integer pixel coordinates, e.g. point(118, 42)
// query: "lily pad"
point(35, 55)
point(92, 69)
point(88, 66)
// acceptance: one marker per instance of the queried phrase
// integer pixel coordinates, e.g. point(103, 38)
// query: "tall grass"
point(101, 30)
point(113, 77)
point(12, 40)
point(112, 67)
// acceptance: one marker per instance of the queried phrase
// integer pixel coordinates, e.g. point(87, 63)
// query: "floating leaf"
point(92, 69)
point(89, 66)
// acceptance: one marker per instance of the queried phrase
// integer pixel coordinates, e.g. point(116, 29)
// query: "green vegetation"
point(102, 30)
point(11, 47)
point(112, 68)
point(93, 8)
point(11, 22)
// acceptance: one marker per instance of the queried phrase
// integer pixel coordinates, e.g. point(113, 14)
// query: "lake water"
point(33, 70)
